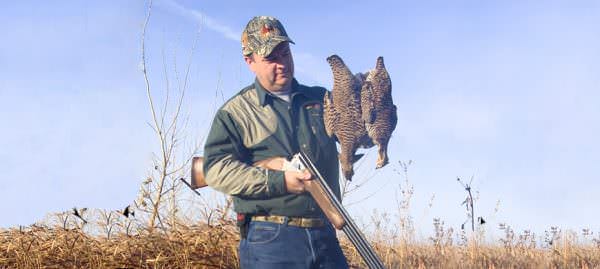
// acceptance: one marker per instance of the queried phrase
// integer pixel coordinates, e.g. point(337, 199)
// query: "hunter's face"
point(276, 71)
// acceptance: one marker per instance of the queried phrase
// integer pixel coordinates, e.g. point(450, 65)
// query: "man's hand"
point(294, 181)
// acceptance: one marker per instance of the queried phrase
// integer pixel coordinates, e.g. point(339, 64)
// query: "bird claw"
point(381, 163)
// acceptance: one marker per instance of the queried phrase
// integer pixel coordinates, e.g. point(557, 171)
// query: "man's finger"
point(305, 175)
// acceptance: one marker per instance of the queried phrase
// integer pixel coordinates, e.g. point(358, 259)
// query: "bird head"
point(348, 172)
point(347, 167)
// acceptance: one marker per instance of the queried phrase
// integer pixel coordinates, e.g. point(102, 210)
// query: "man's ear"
point(249, 60)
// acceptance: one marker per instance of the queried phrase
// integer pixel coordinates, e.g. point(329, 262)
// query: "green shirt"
point(255, 125)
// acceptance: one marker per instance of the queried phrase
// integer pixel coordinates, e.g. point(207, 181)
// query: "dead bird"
point(343, 115)
point(378, 109)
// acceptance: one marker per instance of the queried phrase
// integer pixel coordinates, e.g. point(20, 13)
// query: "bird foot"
point(381, 163)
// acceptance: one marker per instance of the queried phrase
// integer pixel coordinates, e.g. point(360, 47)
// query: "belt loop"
point(286, 220)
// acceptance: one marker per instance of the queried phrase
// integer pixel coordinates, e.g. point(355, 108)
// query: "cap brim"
point(275, 42)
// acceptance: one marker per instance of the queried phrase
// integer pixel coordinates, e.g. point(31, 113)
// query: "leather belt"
point(292, 221)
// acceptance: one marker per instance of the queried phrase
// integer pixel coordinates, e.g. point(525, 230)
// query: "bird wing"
point(329, 114)
point(393, 118)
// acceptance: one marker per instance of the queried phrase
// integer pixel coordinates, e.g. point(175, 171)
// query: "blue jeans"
point(271, 245)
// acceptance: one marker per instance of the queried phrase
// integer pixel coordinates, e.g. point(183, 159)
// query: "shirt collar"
point(264, 95)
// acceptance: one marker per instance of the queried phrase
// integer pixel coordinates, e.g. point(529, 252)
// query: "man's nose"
point(281, 64)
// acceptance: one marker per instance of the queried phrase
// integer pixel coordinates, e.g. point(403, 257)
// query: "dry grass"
point(199, 246)
point(215, 246)
point(481, 256)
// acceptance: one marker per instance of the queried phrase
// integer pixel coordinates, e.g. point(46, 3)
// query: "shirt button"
point(304, 145)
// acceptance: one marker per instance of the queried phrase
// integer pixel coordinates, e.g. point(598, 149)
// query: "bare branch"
point(167, 88)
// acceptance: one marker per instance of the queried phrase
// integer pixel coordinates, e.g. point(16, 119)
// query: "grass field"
point(124, 244)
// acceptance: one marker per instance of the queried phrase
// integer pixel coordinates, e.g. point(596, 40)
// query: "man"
point(251, 137)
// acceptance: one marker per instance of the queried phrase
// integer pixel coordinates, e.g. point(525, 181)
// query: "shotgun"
point(319, 190)
point(359, 241)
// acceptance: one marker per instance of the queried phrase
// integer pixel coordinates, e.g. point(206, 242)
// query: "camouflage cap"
point(262, 35)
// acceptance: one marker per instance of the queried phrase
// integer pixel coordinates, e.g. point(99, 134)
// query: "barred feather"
point(345, 114)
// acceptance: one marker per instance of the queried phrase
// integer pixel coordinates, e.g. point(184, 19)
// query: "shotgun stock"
point(197, 178)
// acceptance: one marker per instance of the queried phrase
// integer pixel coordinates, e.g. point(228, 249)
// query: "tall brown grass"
point(201, 245)
point(194, 246)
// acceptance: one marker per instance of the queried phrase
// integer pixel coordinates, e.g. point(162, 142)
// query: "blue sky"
point(507, 91)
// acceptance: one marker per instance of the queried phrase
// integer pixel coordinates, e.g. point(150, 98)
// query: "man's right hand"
point(294, 181)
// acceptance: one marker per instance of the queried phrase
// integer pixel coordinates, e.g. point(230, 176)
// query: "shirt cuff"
point(276, 183)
